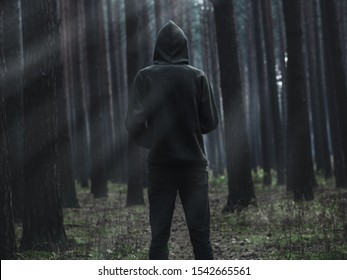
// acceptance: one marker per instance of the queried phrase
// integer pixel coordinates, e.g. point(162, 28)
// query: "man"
point(170, 106)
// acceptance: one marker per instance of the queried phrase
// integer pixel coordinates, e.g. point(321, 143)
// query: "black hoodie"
point(171, 105)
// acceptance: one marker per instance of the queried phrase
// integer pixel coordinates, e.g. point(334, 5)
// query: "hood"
point(171, 45)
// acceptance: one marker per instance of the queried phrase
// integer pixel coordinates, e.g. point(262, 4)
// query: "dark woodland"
point(73, 184)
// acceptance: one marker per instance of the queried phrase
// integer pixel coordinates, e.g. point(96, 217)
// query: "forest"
point(73, 184)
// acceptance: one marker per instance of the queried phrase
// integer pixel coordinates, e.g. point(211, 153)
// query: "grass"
point(277, 228)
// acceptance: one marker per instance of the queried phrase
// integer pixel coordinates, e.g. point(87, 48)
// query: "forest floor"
point(277, 228)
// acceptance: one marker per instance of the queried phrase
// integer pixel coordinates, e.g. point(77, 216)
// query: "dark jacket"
point(171, 105)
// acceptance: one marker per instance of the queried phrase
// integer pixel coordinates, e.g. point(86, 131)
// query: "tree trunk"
point(106, 86)
point(113, 33)
point(266, 7)
point(68, 191)
point(212, 138)
point(72, 40)
point(316, 93)
point(120, 95)
point(253, 76)
point(158, 14)
point(43, 218)
point(83, 153)
point(240, 184)
point(336, 88)
point(13, 52)
point(98, 121)
point(300, 175)
point(136, 166)
point(215, 71)
point(322, 90)
point(7, 234)
point(283, 88)
point(264, 124)
point(339, 68)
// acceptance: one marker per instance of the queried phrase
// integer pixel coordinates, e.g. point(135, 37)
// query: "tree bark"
point(136, 158)
point(107, 91)
point(283, 88)
point(43, 218)
point(72, 28)
point(215, 71)
point(322, 159)
point(254, 124)
point(98, 97)
point(13, 51)
point(261, 68)
point(322, 90)
point(336, 87)
point(158, 14)
point(266, 6)
point(212, 138)
point(335, 33)
point(83, 127)
point(121, 94)
point(240, 184)
point(68, 190)
point(113, 33)
point(300, 175)
point(8, 245)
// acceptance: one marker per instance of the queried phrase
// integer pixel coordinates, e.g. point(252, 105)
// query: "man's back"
point(175, 102)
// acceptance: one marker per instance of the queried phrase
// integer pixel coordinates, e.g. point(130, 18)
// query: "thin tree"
point(253, 76)
point(119, 93)
point(43, 219)
point(282, 70)
point(107, 90)
point(213, 146)
point(98, 97)
point(136, 166)
point(321, 87)
point(158, 14)
point(240, 184)
point(73, 60)
point(266, 6)
point(262, 89)
point(112, 36)
point(67, 183)
point(7, 234)
point(336, 34)
point(215, 77)
point(300, 175)
point(316, 87)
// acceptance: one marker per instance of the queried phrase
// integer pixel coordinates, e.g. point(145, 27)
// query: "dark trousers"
point(195, 203)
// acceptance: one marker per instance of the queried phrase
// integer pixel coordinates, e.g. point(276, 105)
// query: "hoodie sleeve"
point(137, 116)
point(208, 116)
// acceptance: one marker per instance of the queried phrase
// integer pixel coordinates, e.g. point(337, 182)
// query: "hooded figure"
point(170, 106)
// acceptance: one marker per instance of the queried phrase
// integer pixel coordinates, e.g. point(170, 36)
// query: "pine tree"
point(7, 234)
point(136, 155)
point(240, 184)
point(67, 183)
point(262, 88)
point(266, 6)
point(300, 175)
point(98, 98)
point(336, 86)
point(13, 51)
point(43, 219)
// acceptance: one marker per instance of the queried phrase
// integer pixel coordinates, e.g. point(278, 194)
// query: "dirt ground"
point(277, 228)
